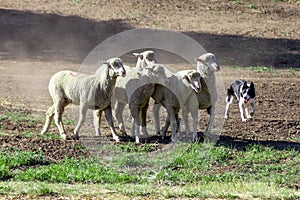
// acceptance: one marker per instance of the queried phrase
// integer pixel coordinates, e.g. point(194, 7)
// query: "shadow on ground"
point(241, 144)
point(51, 37)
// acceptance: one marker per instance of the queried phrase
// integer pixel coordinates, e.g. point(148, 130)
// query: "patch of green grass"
point(235, 190)
point(17, 116)
point(12, 159)
point(259, 69)
point(28, 134)
point(6, 189)
point(69, 122)
point(133, 147)
point(227, 165)
point(75, 171)
point(196, 171)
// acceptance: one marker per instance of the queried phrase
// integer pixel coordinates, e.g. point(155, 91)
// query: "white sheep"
point(135, 90)
point(145, 59)
point(207, 65)
point(179, 93)
point(88, 91)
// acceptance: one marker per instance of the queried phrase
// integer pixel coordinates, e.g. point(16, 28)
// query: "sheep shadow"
point(157, 139)
point(241, 144)
point(226, 141)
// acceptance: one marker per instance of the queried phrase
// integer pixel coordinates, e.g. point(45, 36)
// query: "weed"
point(237, 1)
point(45, 191)
point(76, 1)
point(252, 6)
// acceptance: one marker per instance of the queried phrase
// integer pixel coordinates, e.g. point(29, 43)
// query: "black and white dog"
point(244, 92)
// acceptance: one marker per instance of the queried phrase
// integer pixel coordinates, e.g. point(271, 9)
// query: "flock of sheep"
point(115, 85)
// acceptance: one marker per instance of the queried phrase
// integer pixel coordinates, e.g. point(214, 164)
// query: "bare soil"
point(39, 38)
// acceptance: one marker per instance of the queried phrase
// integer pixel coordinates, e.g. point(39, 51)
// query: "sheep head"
point(194, 80)
point(158, 72)
point(116, 64)
point(207, 64)
point(145, 59)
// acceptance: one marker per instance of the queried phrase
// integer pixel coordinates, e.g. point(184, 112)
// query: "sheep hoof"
point(137, 140)
point(64, 136)
point(75, 137)
point(116, 138)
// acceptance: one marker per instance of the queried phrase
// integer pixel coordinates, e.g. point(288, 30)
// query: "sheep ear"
point(198, 60)
point(138, 55)
point(105, 62)
point(187, 78)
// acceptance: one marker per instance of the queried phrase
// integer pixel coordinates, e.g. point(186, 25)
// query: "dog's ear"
point(251, 85)
point(245, 85)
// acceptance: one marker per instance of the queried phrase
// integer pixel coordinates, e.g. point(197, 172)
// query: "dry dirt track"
point(38, 39)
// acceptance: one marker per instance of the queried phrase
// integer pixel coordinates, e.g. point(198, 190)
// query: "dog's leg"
point(248, 116)
point(253, 107)
point(241, 108)
point(228, 102)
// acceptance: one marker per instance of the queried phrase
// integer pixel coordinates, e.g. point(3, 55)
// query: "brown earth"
point(39, 38)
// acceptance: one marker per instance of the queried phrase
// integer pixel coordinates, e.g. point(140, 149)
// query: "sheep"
point(178, 94)
point(145, 59)
point(135, 90)
point(207, 65)
point(88, 91)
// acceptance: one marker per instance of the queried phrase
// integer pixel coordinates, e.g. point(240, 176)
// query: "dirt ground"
point(39, 38)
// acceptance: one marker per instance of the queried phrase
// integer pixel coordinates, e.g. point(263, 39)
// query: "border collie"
point(244, 92)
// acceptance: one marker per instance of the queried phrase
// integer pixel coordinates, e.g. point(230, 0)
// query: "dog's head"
point(247, 91)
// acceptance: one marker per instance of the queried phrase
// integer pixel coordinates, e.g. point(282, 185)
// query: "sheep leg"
point(59, 109)
point(135, 130)
point(185, 118)
point(195, 116)
point(109, 119)
point(82, 113)
point(119, 108)
point(155, 111)
point(177, 123)
point(173, 122)
point(211, 119)
point(49, 117)
point(165, 128)
point(97, 121)
point(144, 119)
